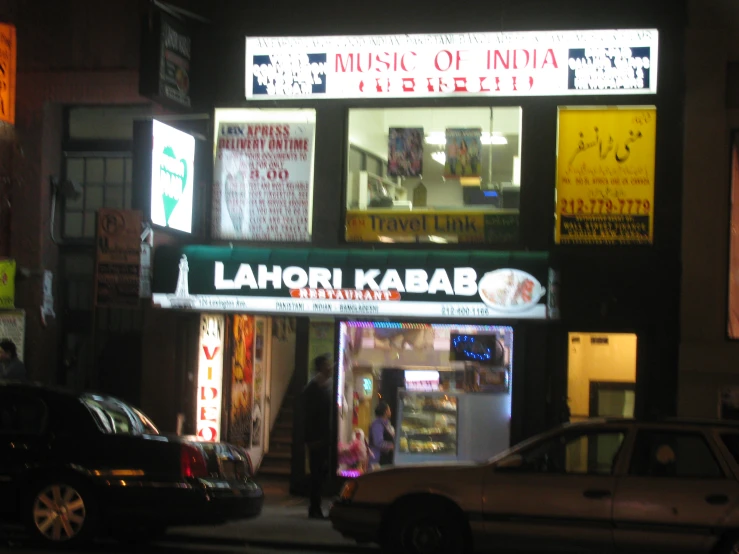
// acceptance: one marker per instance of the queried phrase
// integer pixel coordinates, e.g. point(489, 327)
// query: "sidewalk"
point(283, 522)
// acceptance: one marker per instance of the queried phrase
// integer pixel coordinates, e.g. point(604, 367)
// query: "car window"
point(575, 452)
point(22, 414)
point(146, 423)
point(731, 440)
point(111, 416)
point(673, 454)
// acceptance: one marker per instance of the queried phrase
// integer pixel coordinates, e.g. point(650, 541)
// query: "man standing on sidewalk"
point(317, 404)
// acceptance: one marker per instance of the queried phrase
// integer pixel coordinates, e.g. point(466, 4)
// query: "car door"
point(560, 498)
point(675, 495)
point(23, 442)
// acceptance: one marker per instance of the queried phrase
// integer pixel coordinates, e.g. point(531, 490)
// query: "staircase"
point(276, 463)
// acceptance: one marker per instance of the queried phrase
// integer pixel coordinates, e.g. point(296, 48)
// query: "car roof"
point(660, 422)
point(50, 390)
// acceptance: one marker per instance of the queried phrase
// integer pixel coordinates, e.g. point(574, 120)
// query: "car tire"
point(61, 511)
point(427, 527)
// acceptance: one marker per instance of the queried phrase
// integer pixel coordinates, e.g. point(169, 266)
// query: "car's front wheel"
point(61, 511)
point(428, 528)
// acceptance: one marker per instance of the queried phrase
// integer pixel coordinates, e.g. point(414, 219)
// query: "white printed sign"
point(173, 158)
point(263, 181)
point(13, 327)
point(467, 64)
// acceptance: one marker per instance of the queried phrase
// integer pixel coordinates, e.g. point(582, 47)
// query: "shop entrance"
point(601, 375)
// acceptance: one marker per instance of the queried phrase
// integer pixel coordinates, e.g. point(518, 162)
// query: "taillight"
point(192, 462)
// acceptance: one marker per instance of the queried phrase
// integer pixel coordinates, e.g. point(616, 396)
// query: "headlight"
point(349, 490)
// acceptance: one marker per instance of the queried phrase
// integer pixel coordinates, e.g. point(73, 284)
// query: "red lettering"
point(527, 56)
point(208, 354)
point(208, 433)
point(209, 414)
point(448, 61)
point(461, 59)
point(208, 393)
point(550, 58)
point(402, 62)
point(409, 84)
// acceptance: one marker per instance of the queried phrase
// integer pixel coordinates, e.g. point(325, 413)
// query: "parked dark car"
point(75, 466)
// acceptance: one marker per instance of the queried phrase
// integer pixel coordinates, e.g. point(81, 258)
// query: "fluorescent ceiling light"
point(438, 240)
point(439, 139)
point(385, 239)
point(439, 157)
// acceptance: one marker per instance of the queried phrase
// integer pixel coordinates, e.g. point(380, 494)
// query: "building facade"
point(499, 209)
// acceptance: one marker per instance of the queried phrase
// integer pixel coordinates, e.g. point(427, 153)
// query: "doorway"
point(601, 375)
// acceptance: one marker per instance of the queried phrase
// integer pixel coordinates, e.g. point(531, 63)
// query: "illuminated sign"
point(8, 50)
point(173, 158)
point(321, 282)
point(547, 63)
point(210, 378)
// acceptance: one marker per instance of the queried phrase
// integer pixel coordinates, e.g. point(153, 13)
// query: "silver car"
point(596, 486)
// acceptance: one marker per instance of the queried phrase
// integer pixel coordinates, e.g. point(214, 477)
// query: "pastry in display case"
point(427, 425)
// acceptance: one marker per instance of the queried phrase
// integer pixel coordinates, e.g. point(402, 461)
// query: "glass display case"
point(427, 427)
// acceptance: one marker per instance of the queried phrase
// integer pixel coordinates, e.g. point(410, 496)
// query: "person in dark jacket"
point(317, 403)
point(10, 366)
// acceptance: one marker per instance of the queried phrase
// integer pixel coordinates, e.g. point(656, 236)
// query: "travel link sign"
point(465, 227)
point(477, 285)
point(173, 157)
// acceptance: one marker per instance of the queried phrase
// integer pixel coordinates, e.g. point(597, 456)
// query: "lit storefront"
point(463, 220)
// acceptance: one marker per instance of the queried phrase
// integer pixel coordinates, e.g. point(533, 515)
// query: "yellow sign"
point(499, 226)
point(8, 49)
point(7, 284)
point(605, 175)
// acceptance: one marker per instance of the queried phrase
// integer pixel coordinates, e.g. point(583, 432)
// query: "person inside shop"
point(317, 403)
point(10, 366)
point(382, 436)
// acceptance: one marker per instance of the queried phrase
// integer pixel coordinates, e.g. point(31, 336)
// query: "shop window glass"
point(263, 174)
point(434, 175)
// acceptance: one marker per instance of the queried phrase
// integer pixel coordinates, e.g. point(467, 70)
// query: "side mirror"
point(512, 462)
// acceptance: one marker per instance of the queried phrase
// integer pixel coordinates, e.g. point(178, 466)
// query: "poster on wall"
point(7, 284)
point(733, 319)
point(463, 147)
point(242, 381)
point(263, 181)
point(605, 175)
point(405, 152)
point(8, 55)
point(259, 383)
point(13, 327)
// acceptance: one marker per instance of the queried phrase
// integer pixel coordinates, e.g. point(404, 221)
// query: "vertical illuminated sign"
point(173, 158)
point(210, 378)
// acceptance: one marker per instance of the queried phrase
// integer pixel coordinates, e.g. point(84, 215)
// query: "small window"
point(22, 415)
point(577, 453)
point(442, 175)
point(677, 455)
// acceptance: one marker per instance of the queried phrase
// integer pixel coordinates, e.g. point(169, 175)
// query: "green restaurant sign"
point(475, 285)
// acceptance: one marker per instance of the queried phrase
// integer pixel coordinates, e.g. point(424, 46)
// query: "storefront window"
point(447, 387)
point(263, 175)
point(442, 175)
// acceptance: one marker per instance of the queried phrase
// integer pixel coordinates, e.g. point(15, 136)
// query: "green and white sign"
point(478, 285)
point(172, 177)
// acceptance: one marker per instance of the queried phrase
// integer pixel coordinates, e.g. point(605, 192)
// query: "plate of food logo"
point(510, 290)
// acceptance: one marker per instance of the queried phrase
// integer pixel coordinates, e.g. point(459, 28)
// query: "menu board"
point(263, 181)
point(605, 175)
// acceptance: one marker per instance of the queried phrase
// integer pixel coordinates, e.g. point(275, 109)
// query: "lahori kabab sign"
point(351, 283)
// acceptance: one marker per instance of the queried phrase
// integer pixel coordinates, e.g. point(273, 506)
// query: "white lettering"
point(295, 277)
point(220, 282)
point(392, 280)
point(465, 281)
point(416, 280)
point(266, 276)
point(319, 277)
point(245, 277)
point(440, 281)
point(362, 279)
point(337, 278)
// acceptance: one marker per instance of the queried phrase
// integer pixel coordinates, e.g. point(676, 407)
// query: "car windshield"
point(117, 418)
